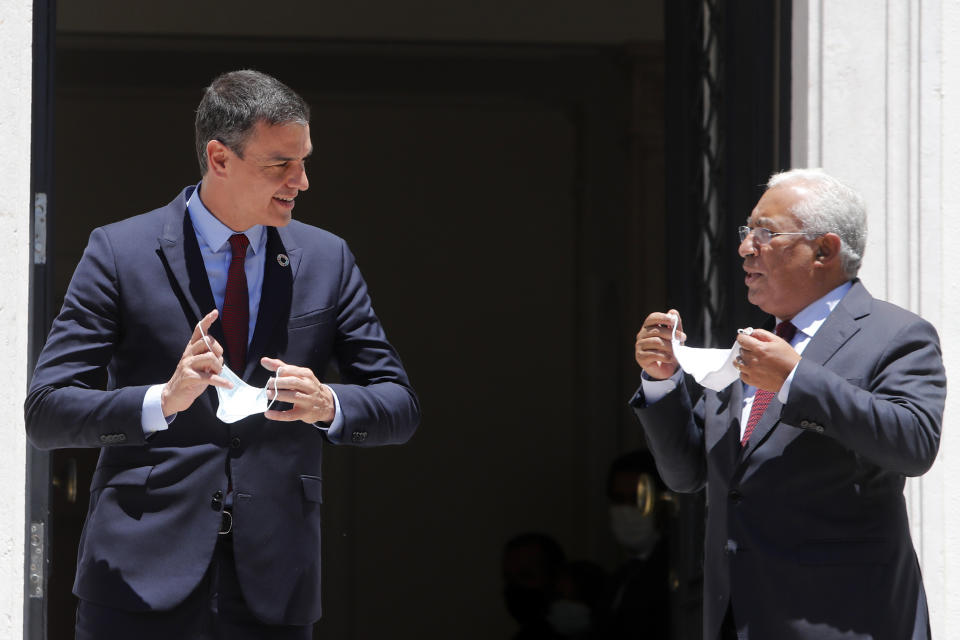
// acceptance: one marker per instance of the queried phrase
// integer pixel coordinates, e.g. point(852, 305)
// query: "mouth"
point(286, 202)
point(751, 277)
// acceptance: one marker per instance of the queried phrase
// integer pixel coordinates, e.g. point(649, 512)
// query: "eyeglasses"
point(762, 235)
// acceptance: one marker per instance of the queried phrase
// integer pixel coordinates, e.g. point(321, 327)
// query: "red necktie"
point(236, 307)
point(762, 399)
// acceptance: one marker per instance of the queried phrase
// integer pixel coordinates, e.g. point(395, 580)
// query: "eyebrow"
point(279, 158)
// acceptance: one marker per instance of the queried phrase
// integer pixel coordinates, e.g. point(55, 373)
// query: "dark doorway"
point(493, 197)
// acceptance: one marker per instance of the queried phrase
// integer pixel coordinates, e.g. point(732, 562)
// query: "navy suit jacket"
point(807, 533)
point(134, 300)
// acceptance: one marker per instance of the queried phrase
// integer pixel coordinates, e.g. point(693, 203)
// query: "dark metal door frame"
point(36, 560)
point(727, 129)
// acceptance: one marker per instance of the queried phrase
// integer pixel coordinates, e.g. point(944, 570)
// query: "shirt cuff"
point(784, 392)
point(654, 390)
point(337, 425)
point(152, 419)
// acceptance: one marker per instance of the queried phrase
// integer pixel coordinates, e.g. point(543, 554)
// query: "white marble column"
point(16, 34)
point(876, 98)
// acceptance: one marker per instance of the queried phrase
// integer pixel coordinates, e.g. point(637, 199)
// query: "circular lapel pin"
point(283, 259)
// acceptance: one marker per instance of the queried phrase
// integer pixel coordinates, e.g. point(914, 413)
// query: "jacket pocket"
point(312, 488)
point(320, 316)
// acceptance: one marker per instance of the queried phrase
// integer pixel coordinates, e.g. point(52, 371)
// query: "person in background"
point(532, 566)
point(638, 601)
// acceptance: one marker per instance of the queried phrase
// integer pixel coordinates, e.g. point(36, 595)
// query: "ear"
point(828, 249)
point(217, 156)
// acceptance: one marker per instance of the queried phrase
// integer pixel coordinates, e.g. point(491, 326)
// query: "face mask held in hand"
point(242, 400)
point(711, 368)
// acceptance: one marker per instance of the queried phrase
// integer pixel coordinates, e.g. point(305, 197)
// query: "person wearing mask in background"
point(549, 597)
point(532, 566)
point(638, 605)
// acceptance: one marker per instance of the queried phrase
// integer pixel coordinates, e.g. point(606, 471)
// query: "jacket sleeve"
point(892, 417)
point(674, 433)
point(67, 404)
point(379, 405)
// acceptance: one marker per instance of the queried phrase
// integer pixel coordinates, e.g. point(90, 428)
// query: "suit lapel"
point(281, 262)
point(181, 253)
point(723, 434)
point(840, 326)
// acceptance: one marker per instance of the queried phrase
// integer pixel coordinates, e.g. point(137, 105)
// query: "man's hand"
point(311, 399)
point(198, 368)
point(765, 360)
point(653, 350)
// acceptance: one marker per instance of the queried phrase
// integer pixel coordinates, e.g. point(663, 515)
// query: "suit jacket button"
point(804, 423)
point(730, 548)
point(735, 496)
point(235, 442)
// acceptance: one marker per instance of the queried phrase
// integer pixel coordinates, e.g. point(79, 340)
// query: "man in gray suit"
point(804, 459)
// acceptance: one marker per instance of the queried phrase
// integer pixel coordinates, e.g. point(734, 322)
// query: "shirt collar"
point(815, 314)
point(216, 234)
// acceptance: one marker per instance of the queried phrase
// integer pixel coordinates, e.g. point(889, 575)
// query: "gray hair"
point(235, 102)
point(831, 207)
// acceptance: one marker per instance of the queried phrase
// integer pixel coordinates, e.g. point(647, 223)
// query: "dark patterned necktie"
point(236, 307)
point(762, 399)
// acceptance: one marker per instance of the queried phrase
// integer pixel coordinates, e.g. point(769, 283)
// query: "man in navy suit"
point(204, 521)
point(807, 533)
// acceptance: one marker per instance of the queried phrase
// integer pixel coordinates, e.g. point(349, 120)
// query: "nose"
point(747, 248)
point(297, 178)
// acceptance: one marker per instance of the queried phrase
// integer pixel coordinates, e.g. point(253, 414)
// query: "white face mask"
point(711, 368)
point(634, 531)
point(242, 400)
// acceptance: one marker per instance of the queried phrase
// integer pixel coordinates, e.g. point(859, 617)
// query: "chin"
point(279, 218)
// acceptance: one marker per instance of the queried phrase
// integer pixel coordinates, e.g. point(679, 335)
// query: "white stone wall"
point(16, 32)
point(876, 98)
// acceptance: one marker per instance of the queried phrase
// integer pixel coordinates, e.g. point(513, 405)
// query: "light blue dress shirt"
point(214, 239)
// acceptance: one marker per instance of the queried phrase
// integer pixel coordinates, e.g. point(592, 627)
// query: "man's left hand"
point(765, 360)
point(311, 399)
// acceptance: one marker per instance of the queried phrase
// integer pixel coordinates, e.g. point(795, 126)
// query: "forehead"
point(287, 141)
point(773, 210)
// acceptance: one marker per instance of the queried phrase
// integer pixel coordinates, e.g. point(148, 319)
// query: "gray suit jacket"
point(807, 533)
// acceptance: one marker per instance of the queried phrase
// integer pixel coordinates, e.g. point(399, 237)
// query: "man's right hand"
point(653, 350)
point(199, 367)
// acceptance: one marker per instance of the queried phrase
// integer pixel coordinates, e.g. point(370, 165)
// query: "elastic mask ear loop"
point(204, 336)
point(276, 375)
point(676, 321)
